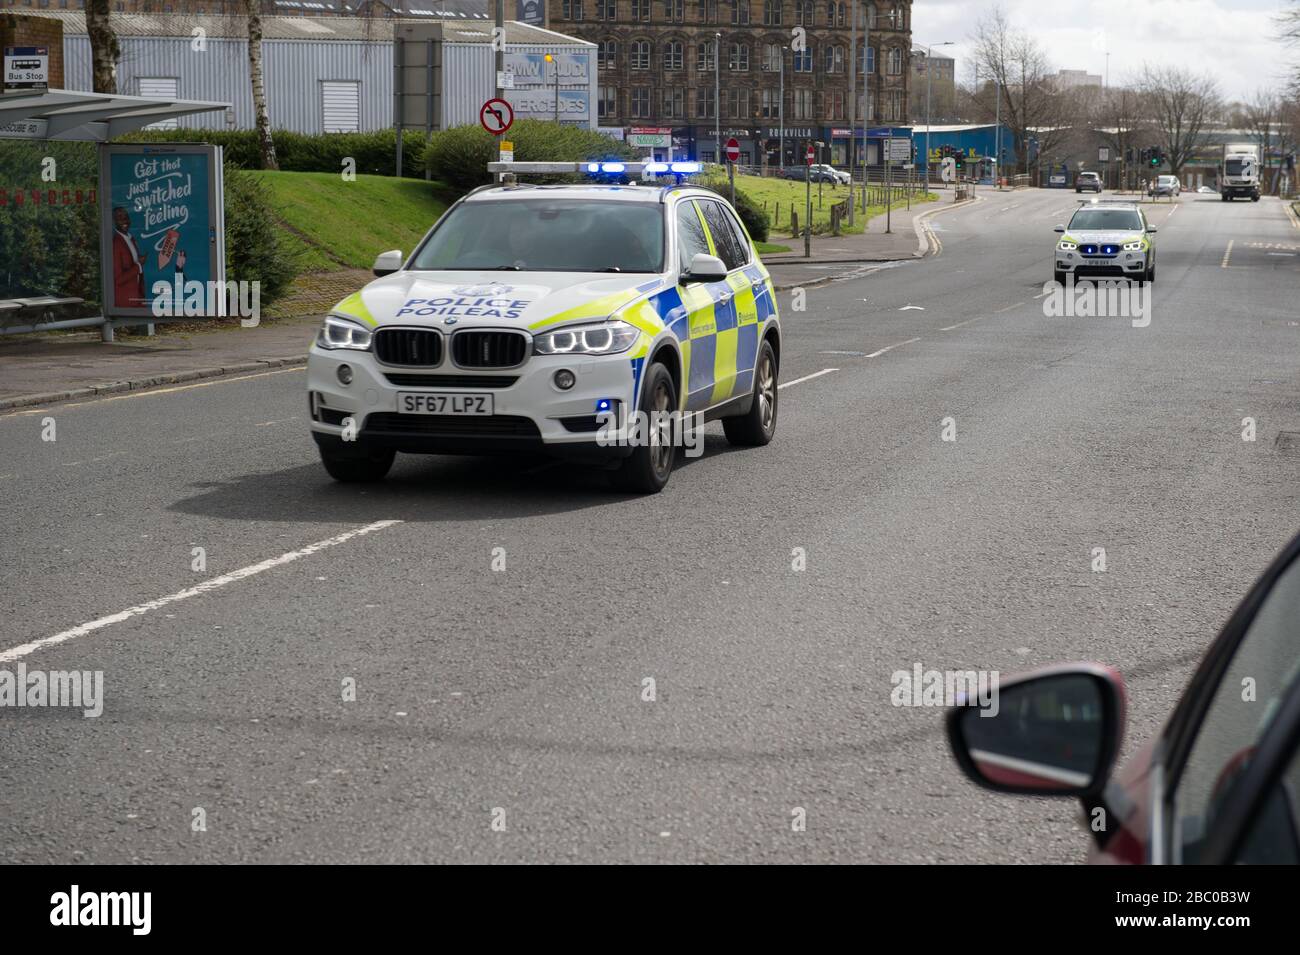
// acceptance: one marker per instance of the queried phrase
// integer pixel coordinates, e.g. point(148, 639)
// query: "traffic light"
point(1157, 157)
point(1128, 155)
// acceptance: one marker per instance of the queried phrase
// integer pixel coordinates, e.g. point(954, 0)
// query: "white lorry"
point(1239, 172)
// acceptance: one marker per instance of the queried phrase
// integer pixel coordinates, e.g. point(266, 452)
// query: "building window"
point(640, 55)
point(640, 102)
point(739, 60)
point(705, 104)
point(893, 106)
point(674, 103)
point(571, 9)
point(835, 105)
point(871, 16)
point(772, 57)
point(738, 103)
point(803, 60)
point(607, 55)
point(834, 59)
point(704, 54)
point(607, 102)
point(869, 60)
point(641, 10)
point(805, 13)
point(898, 17)
point(895, 62)
point(606, 9)
point(802, 101)
point(865, 112)
point(675, 11)
point(771, 104)
point(739, 12)
point(673, 55)
point(707, 11)
point(772, 13)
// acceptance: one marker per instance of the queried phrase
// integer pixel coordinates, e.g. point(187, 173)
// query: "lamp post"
point(929, 84)
point(780, 110)
point(717, 95)
point(550, 59)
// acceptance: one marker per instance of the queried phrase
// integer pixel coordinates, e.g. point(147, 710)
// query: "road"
point(517, 694)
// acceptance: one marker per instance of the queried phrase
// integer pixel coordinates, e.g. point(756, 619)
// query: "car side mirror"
point(706, 268)
point(1060, 228)
point(1053, 732)
point(1152, 229)
point(386, 263)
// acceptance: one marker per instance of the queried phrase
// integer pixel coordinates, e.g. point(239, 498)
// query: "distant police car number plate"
point(423, 403)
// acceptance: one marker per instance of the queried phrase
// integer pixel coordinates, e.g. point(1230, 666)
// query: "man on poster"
point(128, 269)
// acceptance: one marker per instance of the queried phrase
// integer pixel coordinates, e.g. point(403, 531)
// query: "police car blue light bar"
point(612, 167)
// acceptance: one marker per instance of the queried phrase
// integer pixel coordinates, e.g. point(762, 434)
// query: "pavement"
point(503, 660)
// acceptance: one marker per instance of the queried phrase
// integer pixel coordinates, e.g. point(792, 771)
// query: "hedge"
point(375, 152)
point(254, 251)
point(754, 217)
point(459, 156)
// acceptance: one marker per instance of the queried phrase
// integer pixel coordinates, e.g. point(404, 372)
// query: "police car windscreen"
point(548, 235)
point(1106, 220)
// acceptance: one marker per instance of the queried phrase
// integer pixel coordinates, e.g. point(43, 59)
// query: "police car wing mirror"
point(1059, 228)
point(386, 263)
point(706, 268)
point(1152, 229)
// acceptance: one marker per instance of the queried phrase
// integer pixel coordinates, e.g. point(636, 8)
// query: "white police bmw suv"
point(544, 318)
point(1106, 240)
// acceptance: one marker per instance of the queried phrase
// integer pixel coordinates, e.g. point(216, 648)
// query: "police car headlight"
point(1068, 246)
point(1133, 246)
point(340, 333)
point(607, 338)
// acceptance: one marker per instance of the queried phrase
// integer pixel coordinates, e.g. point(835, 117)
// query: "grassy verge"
point(332, 224)
point(769, 194)
point(767, 248)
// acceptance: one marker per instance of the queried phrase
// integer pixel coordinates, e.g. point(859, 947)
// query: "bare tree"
point(104, 50)
point(1180, 104)
point(1260, 116)
point(1121, 122)
point(262, 117)
point(1017, 72)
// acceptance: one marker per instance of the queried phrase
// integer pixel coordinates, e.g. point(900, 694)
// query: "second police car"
point(543, 318)
point(1106, 240)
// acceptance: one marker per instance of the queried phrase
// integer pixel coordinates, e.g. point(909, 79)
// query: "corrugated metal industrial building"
point(326, 74)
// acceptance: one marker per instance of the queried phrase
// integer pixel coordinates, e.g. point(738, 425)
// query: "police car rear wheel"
point(756, 427)
point(647, 468)
point(357, 468)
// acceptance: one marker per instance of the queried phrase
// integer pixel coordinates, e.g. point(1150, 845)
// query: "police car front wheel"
point(357, 465)
point(647, 468)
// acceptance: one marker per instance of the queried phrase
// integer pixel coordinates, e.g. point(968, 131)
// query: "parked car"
point(813, 174)
point(826, 173)
point(1219, 784)
point(1089, 181)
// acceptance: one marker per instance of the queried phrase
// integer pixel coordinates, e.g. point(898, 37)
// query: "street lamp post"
point(780, 111)
point(717, 95)
point(929, 84)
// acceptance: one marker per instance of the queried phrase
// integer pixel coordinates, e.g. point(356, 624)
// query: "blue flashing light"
point(604, 405)
point(685, 168)
point(654, 168)
point(593, 167)
point(612, 167)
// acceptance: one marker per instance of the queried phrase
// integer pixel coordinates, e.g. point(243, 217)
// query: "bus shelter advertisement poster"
point(162, 224)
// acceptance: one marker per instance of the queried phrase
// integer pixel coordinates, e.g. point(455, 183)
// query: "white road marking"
point(912, 308)
point(23, 650)
point(1227, 256)
point(889, 348)
point(1008, 308)
point(978, 318)
point(1288, 255)
point(817, 374)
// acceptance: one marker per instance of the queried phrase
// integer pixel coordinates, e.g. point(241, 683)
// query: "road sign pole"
point(889, 190)
point(499, 59)
point(731, 174)
point(807, 211)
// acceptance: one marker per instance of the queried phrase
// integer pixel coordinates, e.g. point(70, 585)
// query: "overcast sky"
point(1232, 39)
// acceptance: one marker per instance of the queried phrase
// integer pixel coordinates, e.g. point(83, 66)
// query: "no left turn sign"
point(496, 116)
